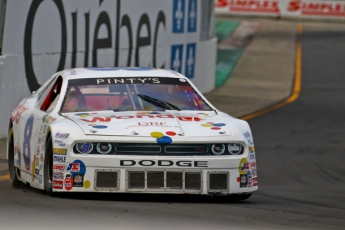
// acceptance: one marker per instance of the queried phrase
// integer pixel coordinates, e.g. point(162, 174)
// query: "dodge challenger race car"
point(128, 130)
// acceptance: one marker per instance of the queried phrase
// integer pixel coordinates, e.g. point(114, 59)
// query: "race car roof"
point(118, 72)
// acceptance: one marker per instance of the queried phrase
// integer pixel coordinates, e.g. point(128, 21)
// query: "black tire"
point(16, 183)
point(48, 167)
point(234, 197)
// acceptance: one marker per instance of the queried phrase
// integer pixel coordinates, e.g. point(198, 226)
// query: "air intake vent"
point(218, 181)
point(167, 181)
point(106, 180)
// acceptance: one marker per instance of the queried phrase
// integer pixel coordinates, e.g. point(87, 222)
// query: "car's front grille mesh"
point(164, 180)
point(157, 149)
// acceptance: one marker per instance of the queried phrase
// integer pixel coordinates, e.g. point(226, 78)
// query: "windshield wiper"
point(158, 102)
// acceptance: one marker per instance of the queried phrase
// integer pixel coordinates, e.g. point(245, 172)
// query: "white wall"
point(41, 37)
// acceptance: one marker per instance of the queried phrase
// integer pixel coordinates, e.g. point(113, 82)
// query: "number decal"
point(26, 143)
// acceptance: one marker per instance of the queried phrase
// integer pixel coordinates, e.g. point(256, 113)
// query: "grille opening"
point(174, 180)
point(218, 181)
point(155, 180)
point(192, 181)
point(187, 149)
point(106, 180)
point(120, 148)
point(136, 180)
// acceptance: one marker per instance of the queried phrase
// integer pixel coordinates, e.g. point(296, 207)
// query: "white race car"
point(128, 130)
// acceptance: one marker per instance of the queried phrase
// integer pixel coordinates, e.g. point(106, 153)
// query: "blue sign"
point(190, 60)
point(192, 16)
point(176, 58)
point(178, 16)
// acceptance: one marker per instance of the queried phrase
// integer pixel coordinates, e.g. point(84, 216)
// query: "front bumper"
point(155, 174)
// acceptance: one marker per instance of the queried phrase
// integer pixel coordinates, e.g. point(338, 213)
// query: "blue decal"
point(192, 16)
point(164, 140)
point(26, 143)
point(190, 60)
point(178, 16)
point(176, 58)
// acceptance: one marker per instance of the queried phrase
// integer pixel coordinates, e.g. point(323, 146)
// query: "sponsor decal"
point(255, 181)
point(60, 159)
point(251, 149)
point(162, 138)
point(61, 135)
point(59, 143)
point(252, 165)
point(59, 151)
point(57, 184)
point(73, 167)
point(131, 80)
point(153, 124)
point(243, 166)
point(163, 163)
point(249, 179)
point(108, 119)
point(78, 180)
point(58, 176)
point(213, 126)
point(58, 167)
point(254, 172)
point(68, 182)
point(243, 180)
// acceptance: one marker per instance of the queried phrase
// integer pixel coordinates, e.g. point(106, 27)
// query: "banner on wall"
point(42, 37)
point(285, 8)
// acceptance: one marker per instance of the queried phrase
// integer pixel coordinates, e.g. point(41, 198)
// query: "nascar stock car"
point(128, 130)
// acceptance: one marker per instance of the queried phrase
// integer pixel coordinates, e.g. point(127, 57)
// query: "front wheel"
point(16, 183)
point(48, 167)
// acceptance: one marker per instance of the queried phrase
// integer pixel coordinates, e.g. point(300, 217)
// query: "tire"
point(234, 197)
point(16, 183)
point(48, 167)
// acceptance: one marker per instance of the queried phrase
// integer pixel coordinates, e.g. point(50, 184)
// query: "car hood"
point(155, 124)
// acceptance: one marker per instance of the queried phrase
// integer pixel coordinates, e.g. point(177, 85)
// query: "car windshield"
point(131, 94)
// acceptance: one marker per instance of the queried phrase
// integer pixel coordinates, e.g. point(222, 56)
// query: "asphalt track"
point(300, 154)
